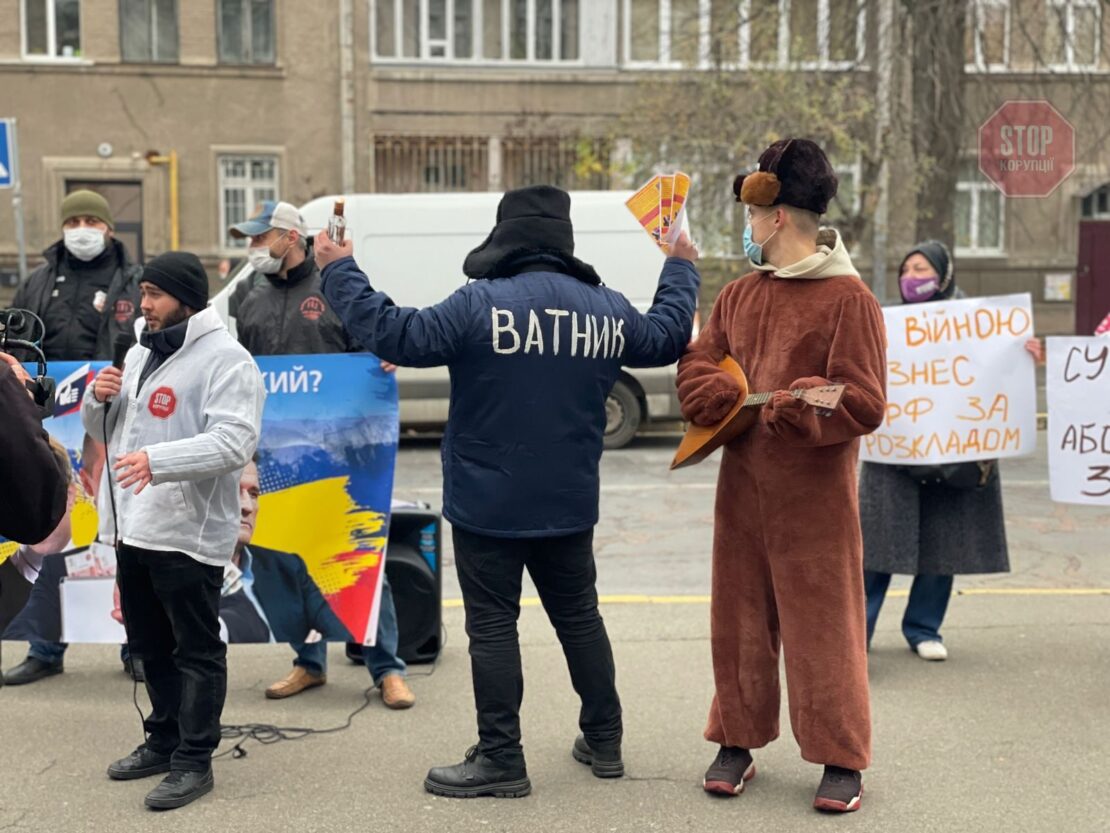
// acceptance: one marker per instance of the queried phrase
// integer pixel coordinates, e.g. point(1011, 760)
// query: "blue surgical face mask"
point(754, 250)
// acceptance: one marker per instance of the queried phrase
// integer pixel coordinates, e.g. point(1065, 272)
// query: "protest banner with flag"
point(325, 462)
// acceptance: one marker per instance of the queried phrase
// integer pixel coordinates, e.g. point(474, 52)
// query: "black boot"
point(604, 763)
point(179, 788)
point(141, 763)
point(477, 776)
point(31, 670)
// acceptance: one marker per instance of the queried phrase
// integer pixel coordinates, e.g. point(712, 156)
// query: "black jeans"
point(171, 605)
point(563, 569)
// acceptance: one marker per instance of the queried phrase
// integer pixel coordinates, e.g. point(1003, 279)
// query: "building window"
point(1096, 205)
point(802, 34)
point(665, 32)
point(1072, 39)
point(980, 216)
point(245, 182)
point(429, 164)
point(51, 28)
point(571, 163)
point(148, 31)
point(988, 35)
point(525, 31)
point(847, 204)
point(246, 31)
point(420, 164)
point(821, 33)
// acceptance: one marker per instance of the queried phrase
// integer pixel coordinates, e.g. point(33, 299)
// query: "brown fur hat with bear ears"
point(791, 172)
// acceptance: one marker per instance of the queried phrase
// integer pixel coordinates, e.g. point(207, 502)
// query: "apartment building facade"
point(244, 93)
point(275, 98)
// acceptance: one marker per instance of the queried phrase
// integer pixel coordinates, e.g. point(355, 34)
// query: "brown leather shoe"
point(396, 693)
point(298, 680)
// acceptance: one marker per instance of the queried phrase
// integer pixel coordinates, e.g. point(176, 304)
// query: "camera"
point(21, 332)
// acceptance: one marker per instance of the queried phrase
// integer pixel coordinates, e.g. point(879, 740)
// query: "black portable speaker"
point(413, 563)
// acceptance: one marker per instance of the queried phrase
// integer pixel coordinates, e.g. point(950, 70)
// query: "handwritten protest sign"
point(960, 385)
point(1079, 420)
point(660, 207)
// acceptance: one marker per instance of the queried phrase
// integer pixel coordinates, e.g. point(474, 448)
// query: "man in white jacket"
point(181, 420)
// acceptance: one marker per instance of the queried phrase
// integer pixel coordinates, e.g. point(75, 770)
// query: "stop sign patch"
point(162, 403)
point(1026, 148)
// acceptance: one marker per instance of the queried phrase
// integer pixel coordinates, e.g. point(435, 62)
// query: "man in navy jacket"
point(534, 344)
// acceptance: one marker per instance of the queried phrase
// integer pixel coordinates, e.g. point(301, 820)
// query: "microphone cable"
point(115, 526)
point(267, 733)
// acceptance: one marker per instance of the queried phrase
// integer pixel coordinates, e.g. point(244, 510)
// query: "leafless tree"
point(939, 30)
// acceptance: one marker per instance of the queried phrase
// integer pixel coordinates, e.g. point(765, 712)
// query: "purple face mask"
point(916, 289)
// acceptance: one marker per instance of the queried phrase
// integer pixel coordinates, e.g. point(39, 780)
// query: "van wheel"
point(622, 416)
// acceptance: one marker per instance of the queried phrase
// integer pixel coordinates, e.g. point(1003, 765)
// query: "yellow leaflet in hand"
point(681, 190)
point(646, 206)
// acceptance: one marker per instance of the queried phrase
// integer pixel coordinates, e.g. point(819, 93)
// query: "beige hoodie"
point(829, 261)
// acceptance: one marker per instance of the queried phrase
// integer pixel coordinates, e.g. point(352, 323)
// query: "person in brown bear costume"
point(787, 549)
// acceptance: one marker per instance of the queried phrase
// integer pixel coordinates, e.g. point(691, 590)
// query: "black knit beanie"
point(181, 275)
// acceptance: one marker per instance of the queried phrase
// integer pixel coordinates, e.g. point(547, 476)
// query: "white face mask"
point(263, 260)
point(85, 243)
point(260, 258)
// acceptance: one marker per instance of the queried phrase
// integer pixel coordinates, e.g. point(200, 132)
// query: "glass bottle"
point(337, 223)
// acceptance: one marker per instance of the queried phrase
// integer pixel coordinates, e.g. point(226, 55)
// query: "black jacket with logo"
point(62, 292)
point(283, 316)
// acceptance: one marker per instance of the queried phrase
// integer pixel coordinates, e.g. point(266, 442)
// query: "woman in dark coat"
point(931, 522)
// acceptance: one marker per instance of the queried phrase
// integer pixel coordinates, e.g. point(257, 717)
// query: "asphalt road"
point(656, 526)
point(1010, 735)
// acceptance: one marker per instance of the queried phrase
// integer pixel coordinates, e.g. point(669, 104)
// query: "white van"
point(412, 246)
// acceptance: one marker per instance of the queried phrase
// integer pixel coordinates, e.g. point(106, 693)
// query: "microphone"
point(120, 347)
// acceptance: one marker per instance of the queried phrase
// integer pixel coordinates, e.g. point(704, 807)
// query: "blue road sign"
point(6, 162)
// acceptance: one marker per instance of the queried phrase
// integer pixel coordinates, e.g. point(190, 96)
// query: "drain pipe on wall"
point(347, 95)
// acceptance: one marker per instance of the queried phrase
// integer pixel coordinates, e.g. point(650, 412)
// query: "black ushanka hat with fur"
point(533, 228)
point(791, 172)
